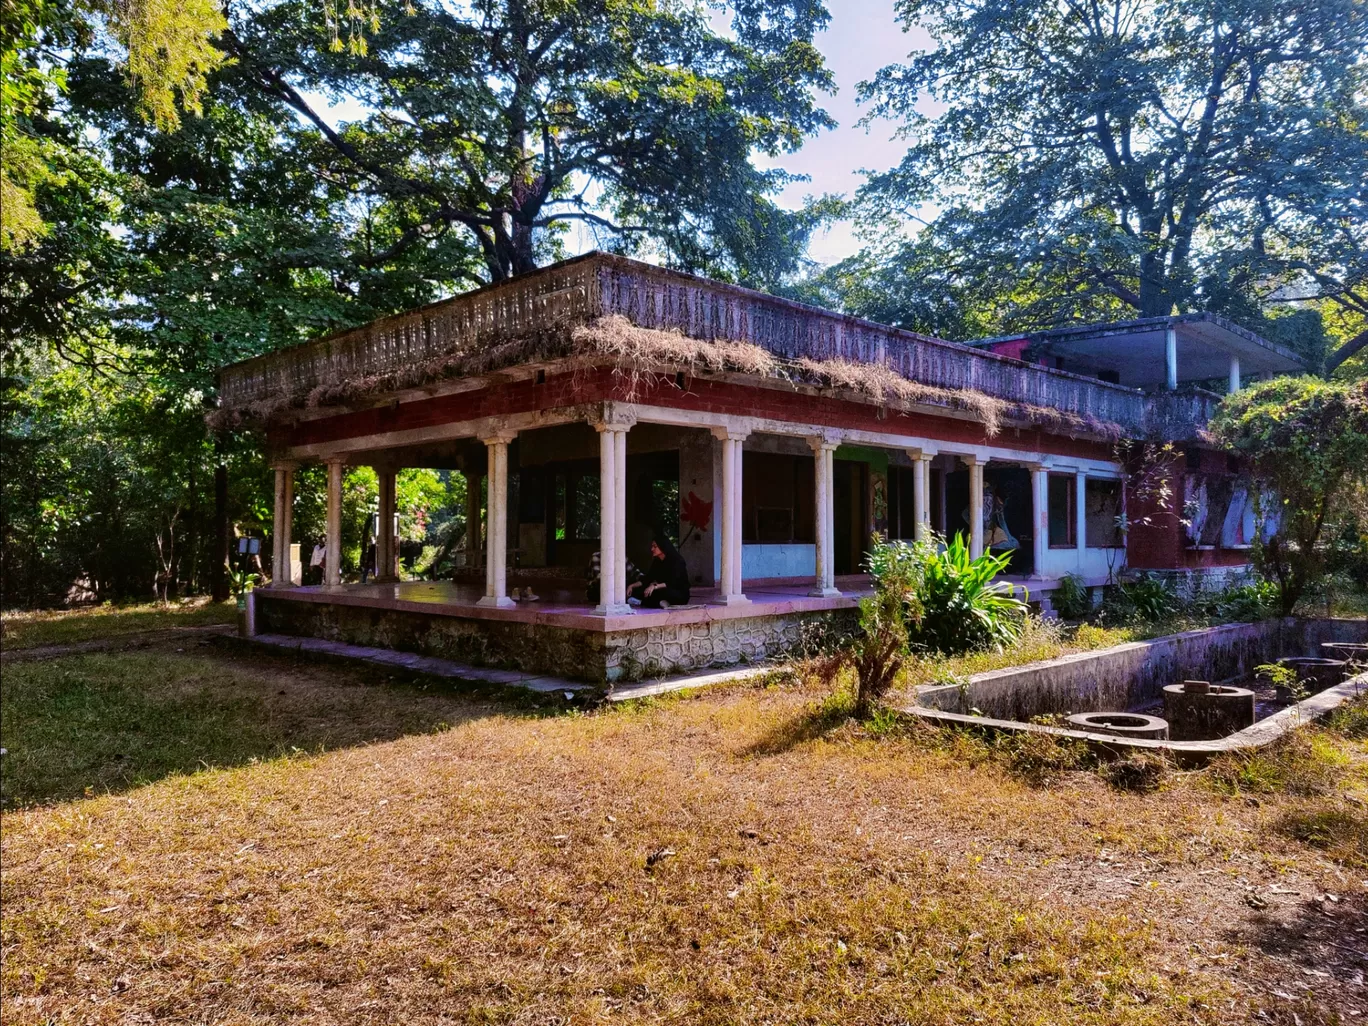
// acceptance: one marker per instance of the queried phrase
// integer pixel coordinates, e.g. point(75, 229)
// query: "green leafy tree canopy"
point(1101, 160)
point(1306, 445)
point(511, 120)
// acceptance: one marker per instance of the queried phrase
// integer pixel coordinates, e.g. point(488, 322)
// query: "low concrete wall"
point(1135, 674)
point(594, 656)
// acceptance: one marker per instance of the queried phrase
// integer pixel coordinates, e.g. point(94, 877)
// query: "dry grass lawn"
point(25, 630)
point(738, 856)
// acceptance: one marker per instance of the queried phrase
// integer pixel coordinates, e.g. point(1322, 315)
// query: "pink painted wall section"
point(1015, 348)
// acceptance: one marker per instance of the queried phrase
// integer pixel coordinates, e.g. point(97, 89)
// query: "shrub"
point(878, 649)
point(1305, 442)
point(878, 652)
point(1147, 599)
point(1071, 599)
point(962, 609)
point(1247, 602)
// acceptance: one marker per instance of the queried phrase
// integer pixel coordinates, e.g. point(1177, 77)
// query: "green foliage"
point(1071, 599)
point(1140, 598)
point(1091, 163)
point(878, 649)
point(1286, 678)
point(1305, 442)
point(1247, 602)
point(963, 608)
point(505, 126)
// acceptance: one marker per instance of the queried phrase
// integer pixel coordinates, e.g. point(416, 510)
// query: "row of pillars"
point(613, 516)
point(386, 552)
point(1171, 363)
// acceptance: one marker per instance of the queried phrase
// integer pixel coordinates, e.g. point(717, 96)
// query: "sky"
point(863, 37)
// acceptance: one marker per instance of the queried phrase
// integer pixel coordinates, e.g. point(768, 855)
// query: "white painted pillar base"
point(386, 568)
point(1234, 373)
point(612, 518)
point(332, 549)
point(975, 505)
point(496, 533)
point(823, 454)
point(730, 592)
point(921, 493)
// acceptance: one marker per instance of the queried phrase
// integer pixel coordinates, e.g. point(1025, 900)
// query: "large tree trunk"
point(1354, 345)
point(220, 576)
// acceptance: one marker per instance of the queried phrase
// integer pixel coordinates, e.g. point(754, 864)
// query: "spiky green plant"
point(963, 609)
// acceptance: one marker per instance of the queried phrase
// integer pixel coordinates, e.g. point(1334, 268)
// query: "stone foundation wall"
point(1132, 675)
point(573, 653)
point(658, 651)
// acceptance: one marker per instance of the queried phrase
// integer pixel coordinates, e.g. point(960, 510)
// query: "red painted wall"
point(1161, 544)
point(703, 395)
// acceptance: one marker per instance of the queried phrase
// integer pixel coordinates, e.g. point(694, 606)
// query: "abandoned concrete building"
point(601, 399)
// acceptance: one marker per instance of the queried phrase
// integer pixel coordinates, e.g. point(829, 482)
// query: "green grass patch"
point(1340, 833)
point(72, 626)
point(1041, 640)
point(107, 722)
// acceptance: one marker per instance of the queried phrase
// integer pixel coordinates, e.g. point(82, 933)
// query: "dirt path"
point(134, 639)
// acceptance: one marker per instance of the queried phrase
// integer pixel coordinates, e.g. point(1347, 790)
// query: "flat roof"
point(1135, 349)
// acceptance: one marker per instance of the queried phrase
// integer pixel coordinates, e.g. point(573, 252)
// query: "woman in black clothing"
point(667, 578)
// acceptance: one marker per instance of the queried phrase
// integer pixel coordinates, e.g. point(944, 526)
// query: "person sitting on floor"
point(667, 578)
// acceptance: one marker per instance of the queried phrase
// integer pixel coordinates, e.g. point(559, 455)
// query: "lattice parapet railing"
point(550, 301)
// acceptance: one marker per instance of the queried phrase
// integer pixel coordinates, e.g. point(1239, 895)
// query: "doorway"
point(850, 524)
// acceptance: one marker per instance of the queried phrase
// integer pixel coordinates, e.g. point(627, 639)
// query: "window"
point(1063, 511)
point(778, 500)
point(1102, 508)
point(576, 507)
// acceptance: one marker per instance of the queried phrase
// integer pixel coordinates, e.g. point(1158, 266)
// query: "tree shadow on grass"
point(109, 722)
point(814, 721)
point(1321, 955)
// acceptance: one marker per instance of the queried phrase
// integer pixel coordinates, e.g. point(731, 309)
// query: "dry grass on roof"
point(883, 384)
point(640, 357)
point(624, 342)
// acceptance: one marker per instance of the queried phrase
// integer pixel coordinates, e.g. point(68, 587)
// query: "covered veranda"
point(749, 554)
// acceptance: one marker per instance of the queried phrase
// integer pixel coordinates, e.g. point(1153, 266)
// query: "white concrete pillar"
point(283, 523)
point(1040, 499)
point(496, 532)
point(1171, 358)
point(612, 518)
point(1081, 515)
point(386, 564)
point(732, 439)
point(975, 466)
point(823, 455)
point(921, 493)
point(332, 546)
point(1234, 373)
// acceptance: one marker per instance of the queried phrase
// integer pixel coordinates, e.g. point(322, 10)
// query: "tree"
point(1120, 158)
point(168, 52)
point(1306, 446)
point(510, 120)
